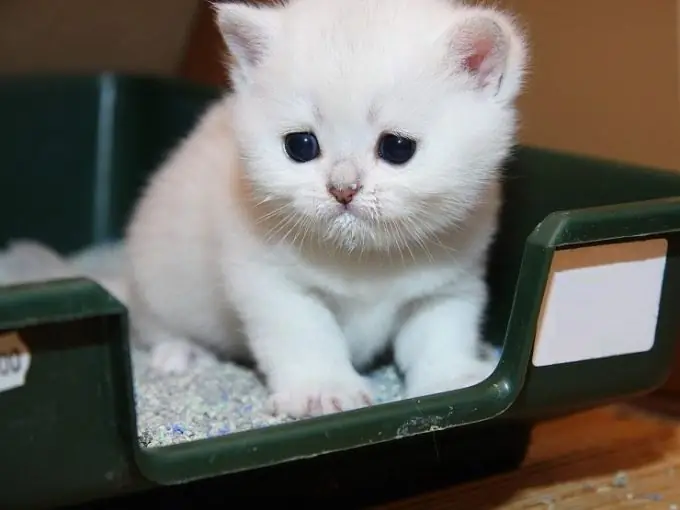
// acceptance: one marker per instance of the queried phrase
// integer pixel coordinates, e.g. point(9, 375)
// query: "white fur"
point(236, 248)
point(25, 261)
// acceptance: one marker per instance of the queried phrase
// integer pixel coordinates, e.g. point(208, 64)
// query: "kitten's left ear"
point(490, 49)
point(248, 31)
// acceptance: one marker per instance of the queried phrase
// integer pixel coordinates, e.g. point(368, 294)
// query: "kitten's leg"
point(438, 347)
point(170, 353)
point(172, 356)
point(301, 350)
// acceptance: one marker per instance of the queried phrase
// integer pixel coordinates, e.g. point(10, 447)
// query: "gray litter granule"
point(620, 479)
point(213, 399)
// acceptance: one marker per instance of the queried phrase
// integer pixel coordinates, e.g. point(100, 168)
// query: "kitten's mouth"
point(347, 210)
point(345, 217)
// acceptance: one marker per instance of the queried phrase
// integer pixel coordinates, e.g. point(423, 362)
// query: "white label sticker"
point(601, 301)
point(15, 360)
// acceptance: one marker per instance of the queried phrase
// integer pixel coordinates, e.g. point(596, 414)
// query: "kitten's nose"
point(344, 194)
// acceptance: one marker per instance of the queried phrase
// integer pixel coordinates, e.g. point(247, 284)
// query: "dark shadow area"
point(354, 478)
point(661, 405)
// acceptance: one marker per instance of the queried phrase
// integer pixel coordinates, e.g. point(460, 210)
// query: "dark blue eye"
point(302, 147)
point(396, 149)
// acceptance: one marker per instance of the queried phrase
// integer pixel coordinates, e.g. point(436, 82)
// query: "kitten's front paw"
point(320, 397)
point(456, 377)
point(171, 357)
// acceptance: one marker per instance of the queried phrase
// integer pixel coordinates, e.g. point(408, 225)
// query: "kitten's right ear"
point(248, 31)
point(489, 47)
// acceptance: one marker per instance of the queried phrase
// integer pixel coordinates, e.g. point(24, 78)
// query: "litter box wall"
point(586, 256)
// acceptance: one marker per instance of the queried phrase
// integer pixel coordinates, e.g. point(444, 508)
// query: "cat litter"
point(214, 399)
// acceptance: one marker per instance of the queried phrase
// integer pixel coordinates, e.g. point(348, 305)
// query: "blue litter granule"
point(178, 429)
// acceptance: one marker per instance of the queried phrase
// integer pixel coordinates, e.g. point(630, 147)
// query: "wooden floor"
point(615, 457)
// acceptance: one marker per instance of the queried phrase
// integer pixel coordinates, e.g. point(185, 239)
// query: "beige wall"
point(605, 78)
point(90, 35)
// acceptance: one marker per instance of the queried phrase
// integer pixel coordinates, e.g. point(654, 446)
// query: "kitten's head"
point(372, 123)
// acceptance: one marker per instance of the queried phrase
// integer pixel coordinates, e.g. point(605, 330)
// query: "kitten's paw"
point(172, 357)
point(455, 378)
point(321, 397)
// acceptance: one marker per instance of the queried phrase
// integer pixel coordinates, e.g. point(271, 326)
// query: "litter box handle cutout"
point(15, 361)
point(604, 323)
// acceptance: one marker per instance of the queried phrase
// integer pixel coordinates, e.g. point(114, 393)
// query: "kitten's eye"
point(302, 147)
point(396, 149)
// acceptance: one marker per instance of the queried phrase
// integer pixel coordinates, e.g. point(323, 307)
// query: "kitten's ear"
point(489, 47)
point(248, 32)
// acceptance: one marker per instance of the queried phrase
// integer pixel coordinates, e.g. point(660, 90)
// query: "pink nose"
point(344, 195)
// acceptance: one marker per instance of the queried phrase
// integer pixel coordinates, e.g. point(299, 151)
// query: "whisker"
point(280, 226)
point(417, 234)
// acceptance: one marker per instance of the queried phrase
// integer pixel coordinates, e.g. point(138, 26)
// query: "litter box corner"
point(66, 405)
point(606, 326)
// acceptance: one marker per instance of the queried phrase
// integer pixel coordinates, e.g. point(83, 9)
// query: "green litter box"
point(583, 277)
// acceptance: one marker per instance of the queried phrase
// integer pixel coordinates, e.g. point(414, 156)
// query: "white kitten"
point(342, 198)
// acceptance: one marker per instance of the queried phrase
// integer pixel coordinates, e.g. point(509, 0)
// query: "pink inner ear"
point(480, 51)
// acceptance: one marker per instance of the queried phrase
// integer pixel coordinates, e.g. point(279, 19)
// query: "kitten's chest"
point(368, 318)
point(369, 308)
